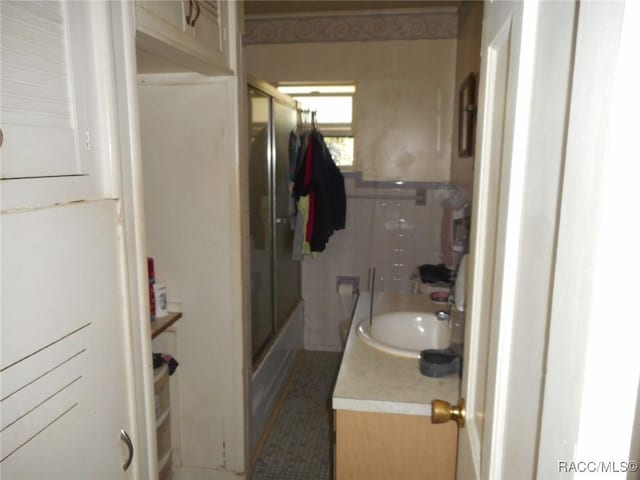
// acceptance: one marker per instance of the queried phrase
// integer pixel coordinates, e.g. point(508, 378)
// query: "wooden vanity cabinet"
point(381, 446)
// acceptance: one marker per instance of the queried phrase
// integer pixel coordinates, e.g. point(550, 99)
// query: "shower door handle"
point(282, 221)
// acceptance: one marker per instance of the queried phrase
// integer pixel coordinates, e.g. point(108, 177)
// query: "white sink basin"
point(405, 334)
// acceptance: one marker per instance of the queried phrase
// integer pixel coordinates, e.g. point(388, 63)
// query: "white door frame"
point(593, 360)
point(545, 80)
point(142, 400)
point(568, 364)
point(509, 51)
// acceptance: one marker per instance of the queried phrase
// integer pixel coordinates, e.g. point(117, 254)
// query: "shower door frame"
point(278, 321)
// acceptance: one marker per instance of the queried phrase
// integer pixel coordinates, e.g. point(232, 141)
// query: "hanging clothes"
point(318, 178)
point(294, 146)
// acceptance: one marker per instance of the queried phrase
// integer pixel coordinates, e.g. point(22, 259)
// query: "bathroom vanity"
point(382, 407)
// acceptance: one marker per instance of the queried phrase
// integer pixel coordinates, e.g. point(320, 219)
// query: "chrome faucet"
point(447, 315)
point(456, 325)
point(443, 315)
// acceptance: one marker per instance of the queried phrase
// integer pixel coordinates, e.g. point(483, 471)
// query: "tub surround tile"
point(374, 236)
point(372, 381)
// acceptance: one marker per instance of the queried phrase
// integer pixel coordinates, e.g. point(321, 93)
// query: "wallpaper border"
point(351, 28)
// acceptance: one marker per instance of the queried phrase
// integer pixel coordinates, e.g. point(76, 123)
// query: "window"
point(333, 105)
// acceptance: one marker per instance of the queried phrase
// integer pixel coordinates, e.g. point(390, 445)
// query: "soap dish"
point(439, 363)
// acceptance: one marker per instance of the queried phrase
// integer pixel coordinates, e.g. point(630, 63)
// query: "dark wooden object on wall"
point(466, 115)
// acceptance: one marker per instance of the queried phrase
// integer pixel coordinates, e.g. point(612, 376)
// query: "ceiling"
point(279, 7)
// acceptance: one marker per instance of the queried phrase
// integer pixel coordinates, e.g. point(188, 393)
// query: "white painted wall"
point(190, 183)
point(467, 61)
point(404, 103)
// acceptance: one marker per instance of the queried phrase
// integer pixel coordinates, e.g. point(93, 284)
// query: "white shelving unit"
point(163, 421)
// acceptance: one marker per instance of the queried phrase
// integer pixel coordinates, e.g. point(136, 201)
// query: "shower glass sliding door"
point(275, 277)
point(260, 224)
point(287, 272)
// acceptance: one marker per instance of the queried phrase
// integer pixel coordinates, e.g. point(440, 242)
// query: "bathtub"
point(273, 372)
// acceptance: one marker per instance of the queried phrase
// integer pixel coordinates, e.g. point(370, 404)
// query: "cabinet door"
point(56, 103)
point(43, 117)
point(200, 45)
point(166, 15)
point(63, 353)
point(398, 446)
point(208, 30)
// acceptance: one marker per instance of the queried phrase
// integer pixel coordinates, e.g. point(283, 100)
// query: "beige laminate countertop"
point(372, 381)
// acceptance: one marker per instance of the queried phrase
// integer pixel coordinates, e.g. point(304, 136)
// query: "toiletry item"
point(440, 296)
point(460, 291)
point(160, 296)
point(151, 275)
point(151, 271)
point(152, 302)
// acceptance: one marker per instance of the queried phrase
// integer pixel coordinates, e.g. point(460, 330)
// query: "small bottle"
point(152, 302)
point(160, 291)
point(151, 274)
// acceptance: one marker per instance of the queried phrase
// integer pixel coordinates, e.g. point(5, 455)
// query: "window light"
point(316, 89)
point(333, 105)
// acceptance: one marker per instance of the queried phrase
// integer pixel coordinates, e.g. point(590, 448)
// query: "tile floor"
point(300, 442)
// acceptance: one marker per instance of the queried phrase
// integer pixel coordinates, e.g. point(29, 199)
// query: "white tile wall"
point(395, 236)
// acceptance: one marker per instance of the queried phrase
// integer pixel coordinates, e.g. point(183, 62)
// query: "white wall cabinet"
point(59, 123)
point(71, 403)
point(53, 99)
point(190, 33)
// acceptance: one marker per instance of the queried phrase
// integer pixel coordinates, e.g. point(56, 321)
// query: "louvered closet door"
point(64, 347)
point(41, 77)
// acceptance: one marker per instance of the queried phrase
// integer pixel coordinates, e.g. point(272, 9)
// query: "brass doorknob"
point(442, 411)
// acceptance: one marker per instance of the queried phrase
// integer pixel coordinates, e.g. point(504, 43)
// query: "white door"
point(503, 117)
point(554, 183)
point(65, 376)
point(526, 80)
